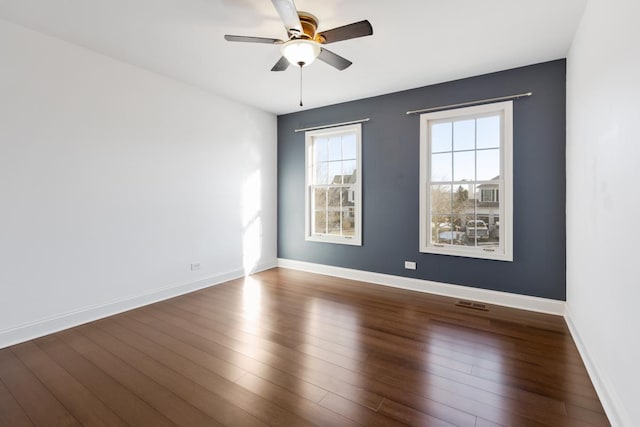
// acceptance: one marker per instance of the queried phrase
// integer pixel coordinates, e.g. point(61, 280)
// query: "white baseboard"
point(541, 305)
point(49, 325)
point(617, 416)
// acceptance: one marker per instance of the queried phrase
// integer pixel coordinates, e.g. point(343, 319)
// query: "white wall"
point(113, 180)
point(603, 201)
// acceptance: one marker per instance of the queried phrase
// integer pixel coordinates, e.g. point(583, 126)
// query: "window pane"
point(320, 222)
point(441, 167)
point(333, 198)
point(464, 135)
point(441, 137)
point(335, 173)
point(319, 198)
point(349, 171)
point(348, 147)
point(348, 197)
point(348, 213)
point(320, 149)
point(442, 229)
point(441, 200)
point(348, 222)
point(488, 132)
point(488, 164)
point(333, 223)
point(335, 148)
point(477, 231)
point(464, 206)
point(492, 216)
point(334, 208)
point(464, 166)
point(321, 173)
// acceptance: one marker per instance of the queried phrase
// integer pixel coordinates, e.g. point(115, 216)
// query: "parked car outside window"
point(477, 229)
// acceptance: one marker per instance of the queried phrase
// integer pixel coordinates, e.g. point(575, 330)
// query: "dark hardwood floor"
point(288, 348)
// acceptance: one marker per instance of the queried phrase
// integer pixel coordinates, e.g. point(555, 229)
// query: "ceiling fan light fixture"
point(300, 51)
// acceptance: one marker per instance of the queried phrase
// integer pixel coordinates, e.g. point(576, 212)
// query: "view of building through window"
point(461, 216)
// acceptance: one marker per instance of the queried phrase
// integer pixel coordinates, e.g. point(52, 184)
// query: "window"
point(466, 182)
point(333, 185)
point(489, 195)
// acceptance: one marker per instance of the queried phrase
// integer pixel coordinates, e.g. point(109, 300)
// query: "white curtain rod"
point(465, 104)
point(333, 125)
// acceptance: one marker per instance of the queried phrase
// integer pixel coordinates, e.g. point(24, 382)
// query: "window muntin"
point(466, 182)
point(333, 183)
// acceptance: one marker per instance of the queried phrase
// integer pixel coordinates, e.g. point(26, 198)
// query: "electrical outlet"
point(195, 266)
point(409, 265)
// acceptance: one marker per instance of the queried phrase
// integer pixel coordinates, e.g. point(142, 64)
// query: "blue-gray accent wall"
point(390, 173)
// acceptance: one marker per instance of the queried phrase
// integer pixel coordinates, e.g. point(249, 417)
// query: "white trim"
point(49, 325)
point(540, 305)
point(616, 414)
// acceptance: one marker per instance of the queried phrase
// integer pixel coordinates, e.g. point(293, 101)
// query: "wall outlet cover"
point(410, 265)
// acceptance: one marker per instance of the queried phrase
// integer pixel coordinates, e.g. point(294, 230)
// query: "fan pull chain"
point(301, 64)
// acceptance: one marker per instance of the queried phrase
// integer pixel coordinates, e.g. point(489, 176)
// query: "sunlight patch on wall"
point(251, 222)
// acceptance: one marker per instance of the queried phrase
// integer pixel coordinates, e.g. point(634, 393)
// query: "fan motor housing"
point(309, 25)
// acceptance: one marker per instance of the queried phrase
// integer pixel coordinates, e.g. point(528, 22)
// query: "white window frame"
point(356, 239)
point(503, 252)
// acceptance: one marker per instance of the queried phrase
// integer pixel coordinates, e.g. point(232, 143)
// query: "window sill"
point(497, 255)
point(351, 241)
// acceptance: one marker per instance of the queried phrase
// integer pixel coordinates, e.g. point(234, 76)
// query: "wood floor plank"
point(163, 399)
point(448, 391)
point(592, 418)
point(199, 349)
point(446, 411)
point(358, 413)
point(11, 413)
point(289, 348)
point(42, 407)
point(312, 370)
point(309, 410)
point(411, 416)
point(211, 393)
point(474, 380)
point(481, 422)
point(80, 402)
point(124, 402)
point(169, 351)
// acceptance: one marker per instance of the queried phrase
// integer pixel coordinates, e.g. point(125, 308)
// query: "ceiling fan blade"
point(289, 15)
point(334, 59)
point(346, 32)
point(281, 65)
point(249, 39)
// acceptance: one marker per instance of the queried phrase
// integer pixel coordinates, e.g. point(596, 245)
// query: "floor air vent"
point(472, 305)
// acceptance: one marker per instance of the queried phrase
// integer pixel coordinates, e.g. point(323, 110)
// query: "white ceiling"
point(415, 42)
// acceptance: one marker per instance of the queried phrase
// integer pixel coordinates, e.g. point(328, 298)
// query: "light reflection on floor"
point(332, 334)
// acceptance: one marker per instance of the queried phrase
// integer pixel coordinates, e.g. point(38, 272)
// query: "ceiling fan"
point(304, 44)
